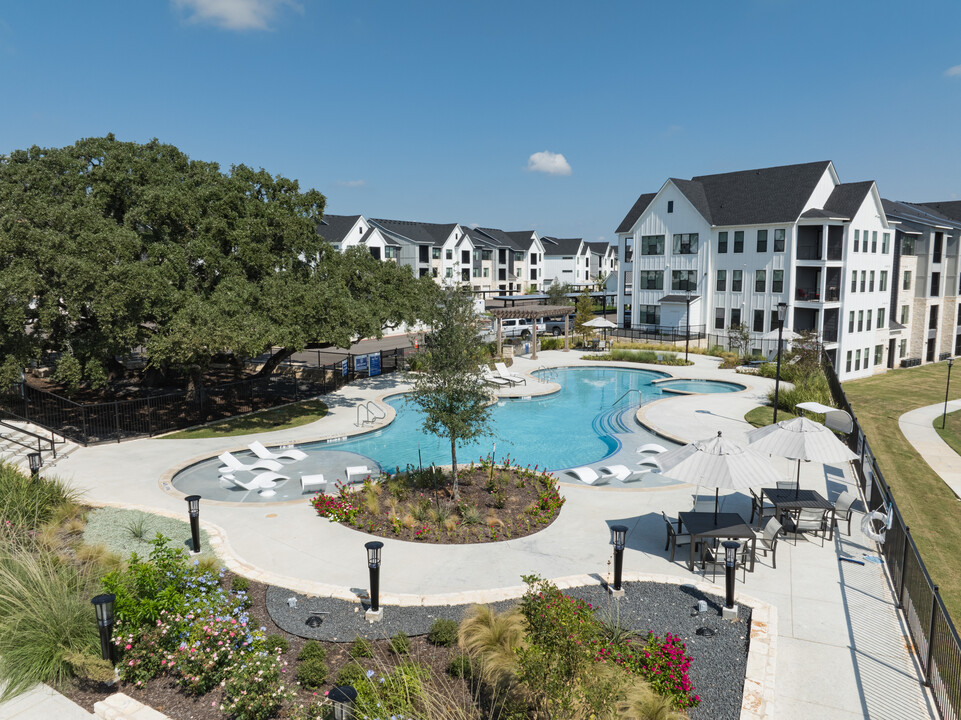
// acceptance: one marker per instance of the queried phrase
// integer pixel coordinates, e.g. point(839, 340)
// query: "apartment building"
point(722, 250)
point(567, 260)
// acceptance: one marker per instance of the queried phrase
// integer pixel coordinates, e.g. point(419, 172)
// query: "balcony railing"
point(807, 294)
point(832, 294)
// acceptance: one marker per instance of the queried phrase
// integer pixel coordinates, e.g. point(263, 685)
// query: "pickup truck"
point(514, 328)
point(555, 325)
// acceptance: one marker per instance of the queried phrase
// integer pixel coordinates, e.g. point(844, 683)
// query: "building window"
point(684, 280)
point(903, 348)
point(938, 243)
point(774, 320)
point(857, 360)
point(867, 356)
point(868, 323)
point(652, 280)
point(670, 206)
point(935, 284)
point(390, 253)
point(738, 241)
point(906, 285)
point(685, 244)
point(721, 280)
point(885, 243)
point(854, 281)
point(722, 242)
point(864, 280)
point(449, 253)
point(465, 257)
point(518, 257)
point(477, 272)
point(735, 316)
point(649, 314)
point(779, 240)
point(652, 245)
point(736, 280)
point(871, 282)
point(487, 272)
point(874, 247)
point(857, 240)
point(933, 318)
point(477, 254)
point(883, 284)
point(758, 321)
point(851, 322)
point(435, 253)
point(449, 273)
point(878, 352)
point(907, 245)
point(905, 314)
point(487, 254)
point(860, 320)
point(762, 241)
point(880, 318)
point(777, 281)
point(719, 318)
point(760, 281)
point(847, 365)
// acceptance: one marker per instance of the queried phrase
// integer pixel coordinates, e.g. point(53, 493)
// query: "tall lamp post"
point(687, 333)
point(781, 310)
point(947, 387)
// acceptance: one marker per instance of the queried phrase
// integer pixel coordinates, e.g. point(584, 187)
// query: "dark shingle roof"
point(821, 214)
point(846, 199)
point(678, 299)
point(561, 246)
point(598, 246)
point(504, 239)
point(918, 213)
point(947, 208)
point(695, 193)
point(634, 213)
point(478, 238)
point(523, 238)
point(418, 232)
point(334, 228)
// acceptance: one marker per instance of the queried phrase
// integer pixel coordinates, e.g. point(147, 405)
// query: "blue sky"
point(457, 112)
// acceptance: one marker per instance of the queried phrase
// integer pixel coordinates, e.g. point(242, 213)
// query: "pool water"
point(700, 386)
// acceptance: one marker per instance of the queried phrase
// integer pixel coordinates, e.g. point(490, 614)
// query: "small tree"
point(739, 337)
point(584, 312)
point(557, 293)
point(451, 393)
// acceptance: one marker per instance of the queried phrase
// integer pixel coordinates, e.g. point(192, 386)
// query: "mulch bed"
point(493, 504)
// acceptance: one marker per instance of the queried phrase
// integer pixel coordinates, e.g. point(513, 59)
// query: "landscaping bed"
point(493, 502)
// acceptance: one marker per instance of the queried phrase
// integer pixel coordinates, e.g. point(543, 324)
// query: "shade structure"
point(787, 335)
point(800, 439)
point(718, 463)
point(600, 322)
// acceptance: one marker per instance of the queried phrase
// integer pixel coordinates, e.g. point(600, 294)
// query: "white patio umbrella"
point(800, 439)
point(601, 324)
point(787, 335)
point(718, 463)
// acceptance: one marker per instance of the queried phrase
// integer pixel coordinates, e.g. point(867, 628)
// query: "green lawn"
point(952, 430)
point(764, 415)
point(929, 508)
point(281, 418)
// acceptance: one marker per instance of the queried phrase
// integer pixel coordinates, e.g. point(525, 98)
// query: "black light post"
point(373, 563)
point(781, 310)
point(619, 535)
point(342, 698)
point(947, 387)
point(730, 569)
point(193, 508)
point(687, 333)
point(103, 604)
point(36, 462)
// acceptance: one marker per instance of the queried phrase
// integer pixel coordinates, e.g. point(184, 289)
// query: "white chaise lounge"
point(284, 454)
point(587, 476)
point(231, 464)
point(512, 378)
point(622, 473)
point(262, 481)
point(651, 448)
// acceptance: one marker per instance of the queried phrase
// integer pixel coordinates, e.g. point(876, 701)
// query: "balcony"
point(809, 245)
point(807, 294)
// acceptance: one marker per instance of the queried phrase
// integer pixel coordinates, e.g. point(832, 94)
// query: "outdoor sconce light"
point(373, 563)
point(730, 569)
point(103, 604)
point(781, 312)
point(193, 508)
point(342, 698)
point(36, 462)
point(618, 537)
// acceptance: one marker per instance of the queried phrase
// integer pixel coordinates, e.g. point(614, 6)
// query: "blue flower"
point(370, 673)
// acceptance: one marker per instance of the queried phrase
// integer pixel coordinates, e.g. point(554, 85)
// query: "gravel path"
point(719, 661)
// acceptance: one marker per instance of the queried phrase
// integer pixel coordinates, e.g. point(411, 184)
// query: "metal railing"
point(935, 639)
point(661, 333)
point(371, 413)
point(52, 440)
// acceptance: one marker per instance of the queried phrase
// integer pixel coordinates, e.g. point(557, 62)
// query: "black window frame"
point(762, 241)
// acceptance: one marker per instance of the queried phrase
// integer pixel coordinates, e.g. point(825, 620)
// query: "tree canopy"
point(107, 245)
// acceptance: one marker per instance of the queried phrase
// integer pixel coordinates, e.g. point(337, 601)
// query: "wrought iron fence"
point(935, 639)
point(153, 414)
point(660, 333)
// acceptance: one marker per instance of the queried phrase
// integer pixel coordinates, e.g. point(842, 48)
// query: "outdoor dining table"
point(785, 500)
point(703, 525)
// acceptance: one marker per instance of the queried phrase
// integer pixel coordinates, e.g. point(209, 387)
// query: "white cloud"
point(953, 71)
point(352, 183)
point(548, 162)
point(233, 14)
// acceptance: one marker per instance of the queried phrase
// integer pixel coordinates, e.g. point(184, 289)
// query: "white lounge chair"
point(512, 378)
point(617, 472)
point(587, 476)
point(231, 464)
point(310, 482)
point(638, 475)
point(498, 381)
point(357, 473)
point(262, 481)
point(649, 462)
point(285, 454)
point(651, 448)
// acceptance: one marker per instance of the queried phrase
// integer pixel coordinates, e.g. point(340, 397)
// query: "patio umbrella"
point(800, 439)
point(718, 463)
point(602, 324)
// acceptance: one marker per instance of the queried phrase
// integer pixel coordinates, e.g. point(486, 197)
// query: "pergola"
point(532, 312)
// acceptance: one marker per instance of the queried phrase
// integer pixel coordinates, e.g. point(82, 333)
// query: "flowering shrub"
point(254, 689)
point(663, 663)
point(336, 509)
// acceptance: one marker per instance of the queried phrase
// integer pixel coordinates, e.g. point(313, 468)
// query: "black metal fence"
point(935, 638)
point(659, 333)
point(160, 413)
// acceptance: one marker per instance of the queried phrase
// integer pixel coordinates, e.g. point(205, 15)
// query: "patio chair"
point(842, 509)
point(649, 462)
point(673, 538)
point(512, 378)
point(587, 476)
point(760, 509)
point(285, 453)
point(496, 381)
point(231, 464)
point(310, 482)
point(786, 485)
point(714, 557)
point(811, 520)
point(265, 481)
point(767, 540)
point(622, 473)
point(704, 504)
point(651, 448)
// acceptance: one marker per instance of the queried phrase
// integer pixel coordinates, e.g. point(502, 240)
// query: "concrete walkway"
point(840, 648)
point(918, 427)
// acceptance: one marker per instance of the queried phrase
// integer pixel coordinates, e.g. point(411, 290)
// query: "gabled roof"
point(919, 214)
point(561, 246)
point(418, 232)
point(946, 208)
point(695, 193)
point(334, 228)
point(478, 238)
point(634, 213)
point(822, 214)
point(846, 199)
point(599, 246)
point(522, 238)
point(503, 239)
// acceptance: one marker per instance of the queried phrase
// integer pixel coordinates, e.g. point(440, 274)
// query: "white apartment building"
point(728, 248)
point(567, 260)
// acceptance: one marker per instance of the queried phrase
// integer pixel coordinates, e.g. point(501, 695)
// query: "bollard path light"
point(373, 563)
point(193, 509)
point(618, 537)
point(342, 697)
point(730, 569)
point(36, 462)
point(103, 604)
point(781, 310)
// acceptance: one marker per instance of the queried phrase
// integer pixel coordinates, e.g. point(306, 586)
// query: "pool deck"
point(838, 647)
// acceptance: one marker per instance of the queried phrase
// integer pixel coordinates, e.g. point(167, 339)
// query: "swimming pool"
point(576, 426)
point(700, 386)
